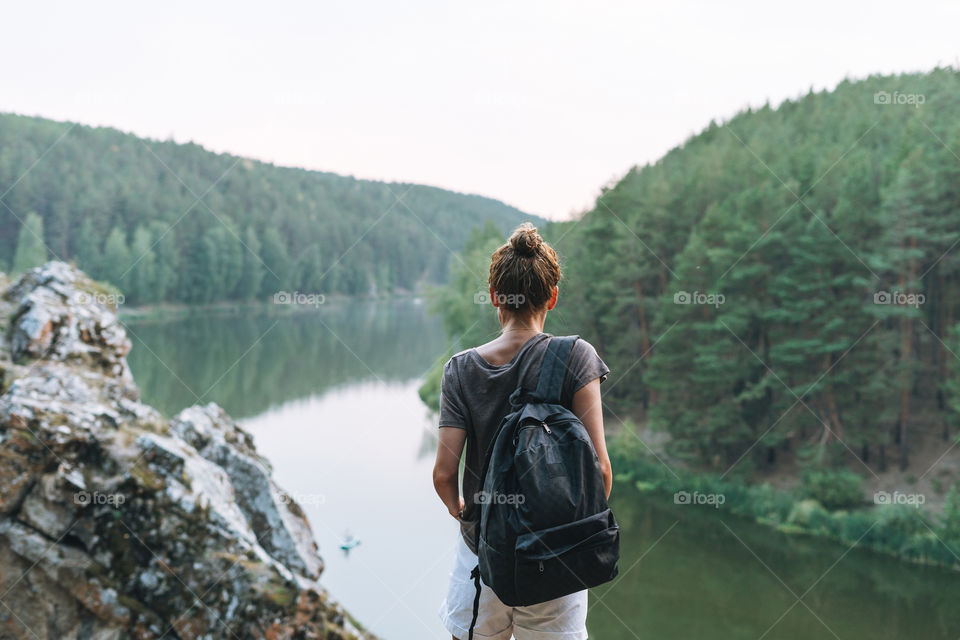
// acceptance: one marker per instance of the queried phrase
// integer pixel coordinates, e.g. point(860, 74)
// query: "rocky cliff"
point(116, 522)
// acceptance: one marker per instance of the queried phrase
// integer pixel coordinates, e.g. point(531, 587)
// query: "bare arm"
point(447, 468)
point(587, 407)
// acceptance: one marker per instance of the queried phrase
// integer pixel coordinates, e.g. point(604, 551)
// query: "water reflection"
point(695, 572)
point(251, 362)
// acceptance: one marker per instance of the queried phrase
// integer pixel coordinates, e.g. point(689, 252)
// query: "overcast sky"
point(538, 104)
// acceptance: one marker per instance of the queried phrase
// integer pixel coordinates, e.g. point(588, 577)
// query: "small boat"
point(349, 542)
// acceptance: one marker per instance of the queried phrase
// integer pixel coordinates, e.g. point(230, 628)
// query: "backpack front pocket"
point(561, 560)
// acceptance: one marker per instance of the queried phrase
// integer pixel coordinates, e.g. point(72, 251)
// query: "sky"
point(538, 104)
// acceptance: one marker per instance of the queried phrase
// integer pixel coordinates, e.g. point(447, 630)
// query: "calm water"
point(330, 397)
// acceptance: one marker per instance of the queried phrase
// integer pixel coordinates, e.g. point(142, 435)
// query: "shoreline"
point(911, 534)
point(173, 310)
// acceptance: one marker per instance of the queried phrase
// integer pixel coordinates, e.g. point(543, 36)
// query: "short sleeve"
point(453, 412)
point(584, 366)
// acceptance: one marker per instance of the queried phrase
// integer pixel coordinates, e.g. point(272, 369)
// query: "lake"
point(330, 396)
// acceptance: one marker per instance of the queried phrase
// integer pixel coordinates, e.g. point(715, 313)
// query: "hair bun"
point(525, 240)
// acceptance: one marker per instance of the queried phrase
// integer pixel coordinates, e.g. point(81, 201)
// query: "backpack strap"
point(475, 575)
point(554, 368)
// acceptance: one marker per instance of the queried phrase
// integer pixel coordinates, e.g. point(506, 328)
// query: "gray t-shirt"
point(475, 395)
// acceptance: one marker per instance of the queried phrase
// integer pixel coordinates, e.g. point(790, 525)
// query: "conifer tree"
point(31, 250)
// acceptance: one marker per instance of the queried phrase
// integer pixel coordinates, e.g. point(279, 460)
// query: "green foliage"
point(833, 489)
point(167, 257)
point(951, 382)
point(31, 251)
point(429, 391)
point(950, 518)
point(88, 245)
point(464, 304)
point(900, 530)
point(309, 270)
point(276, 262)
point(203, 209)
point(117, 262)
point(797, 216)
point(253, 271)
point(143, 275)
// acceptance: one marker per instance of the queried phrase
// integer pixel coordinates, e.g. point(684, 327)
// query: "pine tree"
point(905, 218)
point(143, 275)
point(226, 261)
point(276, 263)
point(252, 277)
point(167, 260)
point(309, 269)
point(117, 262)
point(31, 250)
point(194, 280)
point(86, 249)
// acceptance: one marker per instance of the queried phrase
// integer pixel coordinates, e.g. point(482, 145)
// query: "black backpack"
point(545, 528)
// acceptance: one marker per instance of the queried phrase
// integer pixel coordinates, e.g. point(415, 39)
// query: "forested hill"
point(788, 280)
point(168, 221)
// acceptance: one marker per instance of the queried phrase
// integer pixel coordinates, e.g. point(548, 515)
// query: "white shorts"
point(559, 619)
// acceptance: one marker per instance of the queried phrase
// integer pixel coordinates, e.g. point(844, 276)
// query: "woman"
point(474, 399)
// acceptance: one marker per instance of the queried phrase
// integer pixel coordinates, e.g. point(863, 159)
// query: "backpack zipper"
point(541, 566)
point(542, 425)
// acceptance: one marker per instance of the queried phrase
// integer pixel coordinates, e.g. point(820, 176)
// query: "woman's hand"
point(459, 512)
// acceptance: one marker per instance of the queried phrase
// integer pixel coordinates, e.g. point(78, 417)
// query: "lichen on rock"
point(117, 523)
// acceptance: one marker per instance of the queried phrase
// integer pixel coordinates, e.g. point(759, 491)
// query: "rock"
point(116, 523)
point(278, 523)
point(15, 481)
point(45, 510)
point(58, 317)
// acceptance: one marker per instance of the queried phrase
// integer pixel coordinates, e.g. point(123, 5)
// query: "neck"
point(511, 323)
